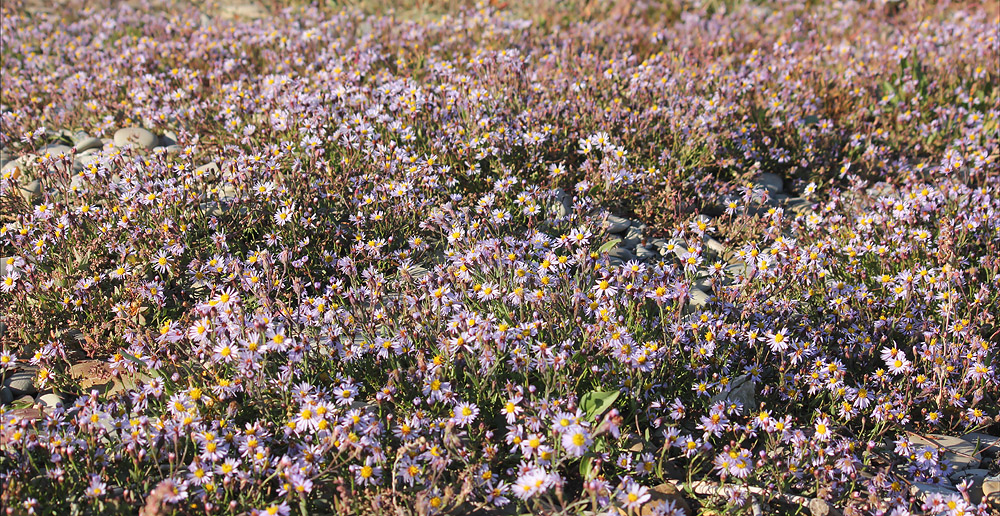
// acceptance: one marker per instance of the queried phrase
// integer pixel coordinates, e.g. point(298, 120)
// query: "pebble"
point(661, 494)
point(646, 253)
point(135, 136)
point(923, 491)
point(770, 182)
point(742, 389)
point(633, 235)
point(16, 167)
point(6, 396)
point(988, 445)
point(31, 191)
point(21, 383)
point(51, 400)
point(88, 143)
point(209, 172)
point(698, 298)
point(561, 204)
point(622, 254)
point(716, 246)
point(976, 477)
point(173, 149)
point(167, 139)
point(961, 453)
point(821, 507)
point(991, 491)
point(617, 224)
point(57, 150)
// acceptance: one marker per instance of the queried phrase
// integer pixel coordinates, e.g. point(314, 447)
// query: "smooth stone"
point(56, 150)
point(21, 383)
point(135, 136)
point(645, 253)
point(698, 298)
point(742, 389)
point(923, 491)
point(167, 141)
point(991, 491)
point(716, 246)
point(988, 445)
point(976, 477)
point(702, 285)
point(961, 453)
point(15, 168)
point(770, 182)
point(617, 224)
point(51, 400)
point(79, 136)
point(31, 191)
point(736, 269)
point(173, 149)
point(633, 235)
point(87, 160)
point(622, 254)
point(561, 204)
point(6, 396)
point(209, 172)
point(88, 144)
point(661, 494)
point(821, 507)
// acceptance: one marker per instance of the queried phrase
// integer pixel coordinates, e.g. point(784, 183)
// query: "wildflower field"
point(577, 258)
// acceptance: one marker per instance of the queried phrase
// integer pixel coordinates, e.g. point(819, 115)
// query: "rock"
point(742, 389)
point(167, 139)
point(622, 254)
point(770, 182)
point(702, 285)
point(6, 396)
point(821, 507)
point(736, 270)
point(633, 235)
point(173, 149)
point(561, 204)
point(208, 172)
point(16, 168)
point(21, 383)
point(713, 244)
point(976, 477)
point(50, 400)
point(961, 453)
point(56, 151)
point(617, 224)
point(661, 494)
point(991, 491)
point(923, 491)
point(698, 298)
point(88, 144)
point(987, 445)
point(646, 253)
point(135, 136)
point(31, 191)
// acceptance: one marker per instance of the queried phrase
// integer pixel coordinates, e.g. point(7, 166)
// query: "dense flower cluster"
point(371, 272)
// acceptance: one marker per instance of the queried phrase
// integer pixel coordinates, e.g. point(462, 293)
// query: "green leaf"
point(608, 246)
point(586, 465)
point(595, 403)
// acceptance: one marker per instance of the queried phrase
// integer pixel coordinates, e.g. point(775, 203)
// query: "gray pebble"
point(621, 253)
point(173, 149)
point(135, 136)
point(6, 396)
point(21, 383)
point(88, 143)
point(617, 224)
point(31, 191)
point(770, 182)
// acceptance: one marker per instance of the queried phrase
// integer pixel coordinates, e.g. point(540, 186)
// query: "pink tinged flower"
point(465, 413)
point(576, 440)
point(633, 495)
